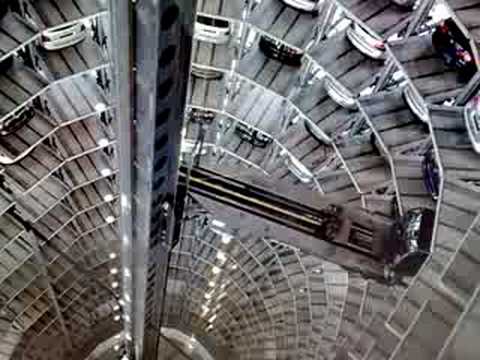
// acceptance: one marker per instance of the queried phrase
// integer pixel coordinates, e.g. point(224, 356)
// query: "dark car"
point(252, 135)
point(454, 48)
point(276, 50)
point(201, 116)
point(431, 177)
point(409, 242)
point(16, 120)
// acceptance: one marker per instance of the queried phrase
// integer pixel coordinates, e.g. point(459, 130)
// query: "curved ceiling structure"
point(351, 125)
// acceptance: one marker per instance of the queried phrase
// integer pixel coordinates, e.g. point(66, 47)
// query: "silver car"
point(303, 5)
point(206, 73)
point(368, 44)
point(63, 36)
point(471, 115)
point(416, 103)
point(297, 168)
point(339, 94)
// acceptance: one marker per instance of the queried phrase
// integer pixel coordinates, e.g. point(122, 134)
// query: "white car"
point(212, 30)
point(303, 5)
point(339, 94)
point(368, 44)
point(416, 103)
point(471, 116)
point(63, 36)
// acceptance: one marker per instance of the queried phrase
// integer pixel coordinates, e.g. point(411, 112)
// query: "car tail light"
point(466, 56)
point(380, 45)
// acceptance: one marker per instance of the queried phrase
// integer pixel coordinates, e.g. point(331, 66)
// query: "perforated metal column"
point(153, 64)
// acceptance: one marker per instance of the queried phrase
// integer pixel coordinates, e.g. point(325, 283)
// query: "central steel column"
point(152, 42)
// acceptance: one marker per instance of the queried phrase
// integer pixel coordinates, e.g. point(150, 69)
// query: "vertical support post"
point(122, 45)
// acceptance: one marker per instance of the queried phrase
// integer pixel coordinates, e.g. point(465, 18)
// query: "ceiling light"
point(103, 142)
point(116, 347)
point(106, 172)
point(116, 318)
point(110, 219)
point(221, 256)
point(127, 298)
point(115, 284)
point(208, 295)
point(234, 267)
point(112, 256)
point(100, 107)
point(222, 295)
point(226, 238)
point(216, 270)
point(223, 286)
point(218, 223)
point(209, 327)
point(116, 307)
point(121, 302)
point(114, 271)
point(205, 308)
point(211, 283)
point(212, 318)
point(108, 197)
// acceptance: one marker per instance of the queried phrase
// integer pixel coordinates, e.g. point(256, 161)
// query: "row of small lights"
point(216, 270)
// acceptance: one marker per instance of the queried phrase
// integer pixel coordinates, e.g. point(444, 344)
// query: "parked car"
point(367, 43)
point(202, 116)
point(471, 116)
point(409, 4)
point(453, 46)
point(206, 73)
point(416, 103)
point(339, 94)
point(251, 135)
point(409, 242)
point(296, 167)
point(311, 6)
point(276, 50)
point(16, 120)
point(63, 36)
point(212, 30)
point(431, 176)
point(317, 133)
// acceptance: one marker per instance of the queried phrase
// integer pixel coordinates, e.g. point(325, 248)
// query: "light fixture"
point(211, 283)
point(121, 302)
point(222, 295)
point(209, 327)
point(216, 270)
point(116, 318)
point(234, 267)
point(208, 295)
point(112, 256)
point(127, 298)
point(110, 219)
point(205, 308)
point(115, 284)
point(221, 256)
point(108, 197)
point(226, 238)
point(218, 223)
point(116, 307)
point(106, 172)
point(212, 318)
point(116, 347)
point(114, 271)
point(103, 142)
point(100, 107)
